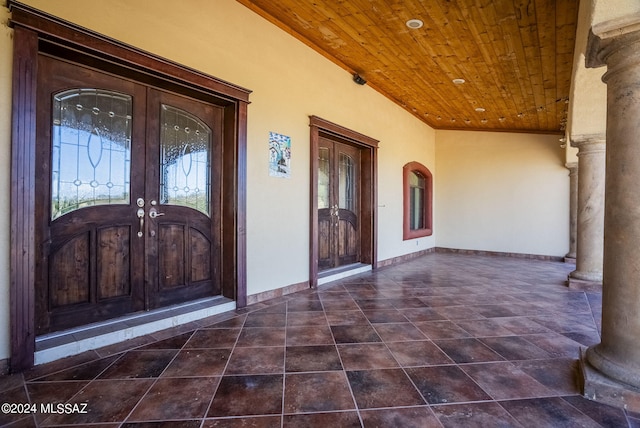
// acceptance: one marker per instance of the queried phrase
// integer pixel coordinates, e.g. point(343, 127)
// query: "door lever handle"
point(140, 214)
point(153, 213)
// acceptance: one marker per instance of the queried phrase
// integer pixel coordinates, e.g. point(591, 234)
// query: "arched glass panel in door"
point(185, 157)
point(91, 149)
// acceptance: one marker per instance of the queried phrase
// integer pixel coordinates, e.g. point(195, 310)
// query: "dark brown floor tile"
point(375, 304)
point(164, 424)
point(547, 412)
point(322, 420)
point(405, 417)
point(384, 315)
point(175, 342)
point(306, 319)
point(127, 345)
point(354, 334)
point(521, 325)
point(504, 381)
point(246, 422)
point(467, 350)
point(584, 339)
point(14, 397)
point(260, 319)
point(475, 415)
point(274, 306)
point(333, 293)
point(418, 353)
point(441, 330)
point(264, 360)
point(556, 345)
point(559, 375)
point(213, 338)
point(107, 401)
point(234, 322)
point(312, 358)
point(365, 356)
point(446, 384)
point(422, 314)
point(340, 305)
point(252, 337)
point(607, 416)
point(514, 348)
point(86, 371)
point(317, 335)
point(11, 381)
point(346, 318)
point(59, 365)
point(198, 362)
point(54, 393)
point(455, 313)
point(304, 305)
point(398, 332)
point(248, 395)
point(176, 398)
point(494, 311)
point(139, 364)
point(383, 388)
point(484, 328)
point(317, 392)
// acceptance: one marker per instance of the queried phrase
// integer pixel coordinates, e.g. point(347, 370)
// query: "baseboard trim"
point(278, 292)
point(403, 258)
point(499, 254)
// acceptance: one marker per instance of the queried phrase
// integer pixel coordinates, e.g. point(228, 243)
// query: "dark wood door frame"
point(368, 191)
point(37, 33)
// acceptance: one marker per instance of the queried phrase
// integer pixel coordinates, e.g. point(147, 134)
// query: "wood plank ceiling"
point(515, 56)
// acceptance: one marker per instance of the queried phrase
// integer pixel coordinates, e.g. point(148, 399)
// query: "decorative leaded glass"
point(91, 149)
point(324, 169)
point(346, 172)
point(185, 157)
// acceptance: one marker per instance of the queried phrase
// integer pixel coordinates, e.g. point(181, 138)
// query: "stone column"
point(611, 369)
point(590, 212)
point(573, 211)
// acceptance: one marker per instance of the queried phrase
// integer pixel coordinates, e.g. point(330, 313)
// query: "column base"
point(597, 387)
point(569, 259)
point(583, 284)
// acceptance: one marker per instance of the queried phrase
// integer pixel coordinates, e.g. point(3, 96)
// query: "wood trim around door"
point(36, 33)
point(369, 189)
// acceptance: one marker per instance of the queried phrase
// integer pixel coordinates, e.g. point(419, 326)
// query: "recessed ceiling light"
point(414, 24)
point(458, 81)
point(480, 109)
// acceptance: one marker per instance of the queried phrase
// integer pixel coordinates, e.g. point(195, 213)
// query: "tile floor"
point(445, 340)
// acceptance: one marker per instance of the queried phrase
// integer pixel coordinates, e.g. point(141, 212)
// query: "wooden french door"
point(338, 204)
point(128, 197)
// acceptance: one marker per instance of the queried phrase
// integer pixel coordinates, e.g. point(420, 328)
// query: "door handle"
point(140, 214)
point(153, 213)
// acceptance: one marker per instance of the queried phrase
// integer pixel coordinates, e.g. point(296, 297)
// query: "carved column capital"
point(615, 38)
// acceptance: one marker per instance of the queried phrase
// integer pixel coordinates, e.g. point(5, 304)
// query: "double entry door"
point(338, 204)
point(128, 197)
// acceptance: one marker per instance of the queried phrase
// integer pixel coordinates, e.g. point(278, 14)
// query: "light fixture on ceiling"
point(502, 119)
point(458, 81)
point(480, 109)
point(359, 79)
point(414, 24)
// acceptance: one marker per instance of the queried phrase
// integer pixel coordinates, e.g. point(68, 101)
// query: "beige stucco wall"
point(502, 192)
point(588, 97)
